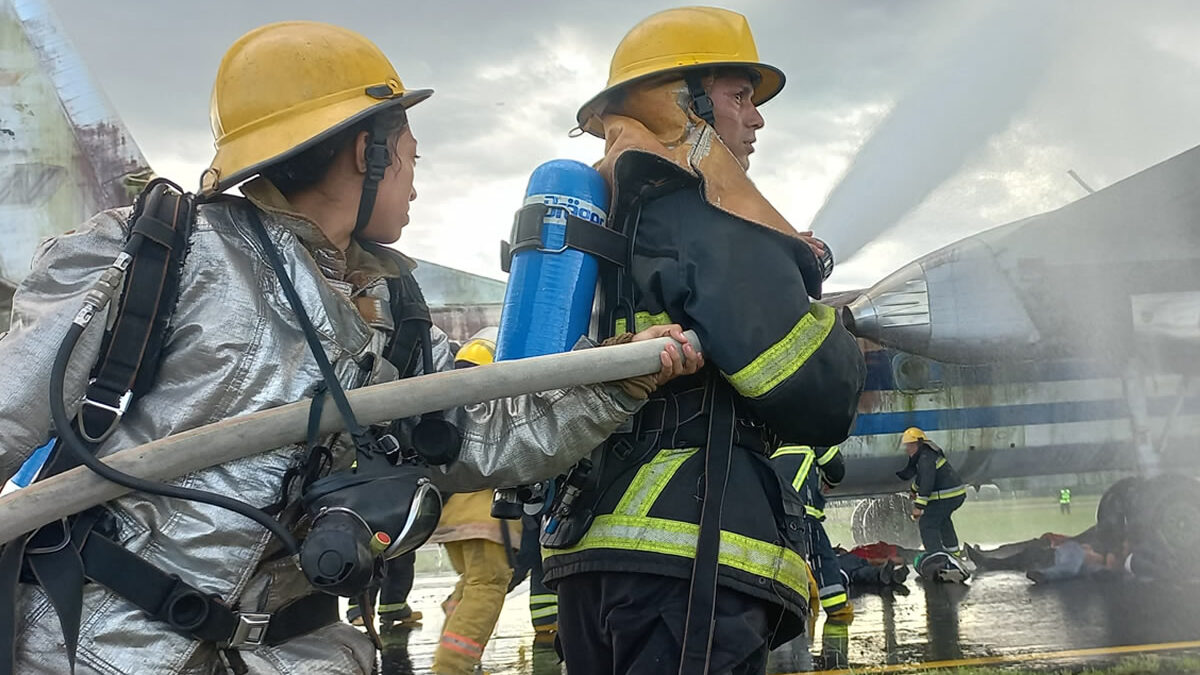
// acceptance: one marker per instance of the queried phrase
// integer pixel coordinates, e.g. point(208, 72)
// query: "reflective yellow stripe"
point(939, 463)
point(669, 537)
point(643, 320)
point(805, 465)
point(947, 494)
point(839, 599)
point(802, 473)
point(921, 501)
point(791, 450)
point(784, 358)
point(650, 481)
point(829, 454)
point(543, 612)
point(393, 607)
point(814, 512)
point(543, 599)
point(834, 631)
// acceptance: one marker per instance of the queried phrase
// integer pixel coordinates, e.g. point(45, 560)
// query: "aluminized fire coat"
point(234, 347)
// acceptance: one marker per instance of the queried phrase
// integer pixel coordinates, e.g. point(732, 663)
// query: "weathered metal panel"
point(63, 154)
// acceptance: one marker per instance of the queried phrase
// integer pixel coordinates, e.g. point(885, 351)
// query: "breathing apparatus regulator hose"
point(95, 302)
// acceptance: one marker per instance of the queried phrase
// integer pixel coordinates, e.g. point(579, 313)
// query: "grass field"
point(997, 521)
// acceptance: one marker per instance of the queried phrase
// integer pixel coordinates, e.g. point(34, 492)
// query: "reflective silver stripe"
point(948, 492)
point(461, 644)
point(832, 589)
point(543, 612)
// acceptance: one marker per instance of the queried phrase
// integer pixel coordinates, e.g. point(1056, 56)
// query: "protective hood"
point(656, 119)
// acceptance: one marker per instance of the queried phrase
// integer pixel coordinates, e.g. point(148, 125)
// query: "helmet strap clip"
point(378, 159)
point(702, 103)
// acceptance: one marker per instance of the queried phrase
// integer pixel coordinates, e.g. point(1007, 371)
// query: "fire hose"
point(78, 489)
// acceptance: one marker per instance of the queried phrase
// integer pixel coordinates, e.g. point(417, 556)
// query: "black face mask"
point(364, 516)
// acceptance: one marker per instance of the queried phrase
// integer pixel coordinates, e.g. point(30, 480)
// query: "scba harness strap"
point(50, 557)
point(131, 349)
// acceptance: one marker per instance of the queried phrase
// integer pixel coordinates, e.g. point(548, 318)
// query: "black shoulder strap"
point(132, 347)
point(434, 438)
point(702, 596)
point(410, 315)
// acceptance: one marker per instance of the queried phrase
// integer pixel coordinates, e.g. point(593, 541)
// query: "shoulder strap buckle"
point(250, 631)
point(104, 410)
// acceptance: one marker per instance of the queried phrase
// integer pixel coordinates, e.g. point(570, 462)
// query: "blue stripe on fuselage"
point(1012, 415)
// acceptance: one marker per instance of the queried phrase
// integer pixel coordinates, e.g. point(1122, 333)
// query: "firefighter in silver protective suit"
point(316, 116)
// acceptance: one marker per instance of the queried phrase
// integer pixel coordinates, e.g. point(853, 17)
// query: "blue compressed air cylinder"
point(551, 289)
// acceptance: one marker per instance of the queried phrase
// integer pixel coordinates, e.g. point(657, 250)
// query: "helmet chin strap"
point(378, 158)
point(702, 104)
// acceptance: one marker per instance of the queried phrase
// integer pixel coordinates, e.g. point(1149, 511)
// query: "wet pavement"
point(999, 614)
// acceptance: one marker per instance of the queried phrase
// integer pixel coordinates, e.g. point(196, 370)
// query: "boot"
point(401, 618)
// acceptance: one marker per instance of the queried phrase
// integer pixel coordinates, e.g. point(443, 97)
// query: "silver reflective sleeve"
point(523, 439)
point(44, 305)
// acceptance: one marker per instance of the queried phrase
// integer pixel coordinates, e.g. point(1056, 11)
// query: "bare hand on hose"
point(675, 363)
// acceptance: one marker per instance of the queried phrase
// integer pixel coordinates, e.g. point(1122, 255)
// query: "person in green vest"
point(1064, 501)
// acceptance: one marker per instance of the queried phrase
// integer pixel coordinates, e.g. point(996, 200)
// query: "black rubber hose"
point(66, 434)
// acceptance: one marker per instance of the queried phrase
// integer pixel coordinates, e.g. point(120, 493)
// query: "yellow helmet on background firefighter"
point(480, 350)
point(912, 435)
point(284, 87)
point(680, 40)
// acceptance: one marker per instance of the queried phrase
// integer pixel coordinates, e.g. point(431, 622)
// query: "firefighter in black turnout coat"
point(810, 471)
point(684, 550)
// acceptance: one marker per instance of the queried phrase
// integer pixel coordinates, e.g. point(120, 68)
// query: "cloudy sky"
point(919, 122)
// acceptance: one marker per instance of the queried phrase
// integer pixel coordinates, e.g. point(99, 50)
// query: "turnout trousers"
point(937, 528)
point(474, 607)
point(632, 623)
point(825, 567)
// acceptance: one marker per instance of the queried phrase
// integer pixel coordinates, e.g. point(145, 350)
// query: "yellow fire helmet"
point(480, 350)
point(680, 40)
point(283, 87)
point(912, 435)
